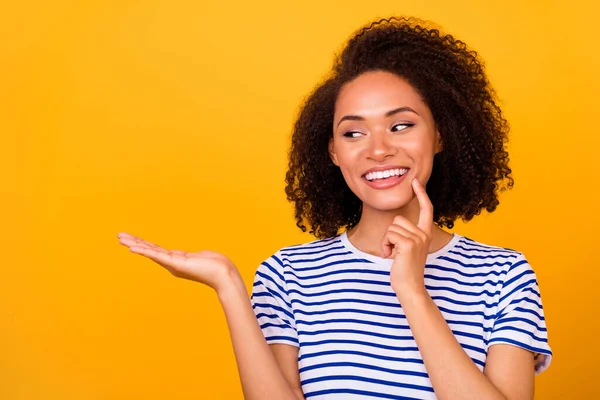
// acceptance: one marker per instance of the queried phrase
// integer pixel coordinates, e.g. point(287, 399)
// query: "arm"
point(508, 373)
point(260, 374)
point(287, 359)
point(263, 371)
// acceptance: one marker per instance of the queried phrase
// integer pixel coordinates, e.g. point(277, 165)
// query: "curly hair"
point(467, 174)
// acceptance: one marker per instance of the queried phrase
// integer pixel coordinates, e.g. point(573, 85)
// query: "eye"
point(401, 127)
point(352, 134)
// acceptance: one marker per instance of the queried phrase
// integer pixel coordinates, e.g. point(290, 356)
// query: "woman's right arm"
point(265, 373)
point(262, 369)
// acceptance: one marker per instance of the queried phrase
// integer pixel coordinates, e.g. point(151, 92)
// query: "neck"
point(367, 235)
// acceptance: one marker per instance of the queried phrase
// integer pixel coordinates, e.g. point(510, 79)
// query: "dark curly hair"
point(467, 175)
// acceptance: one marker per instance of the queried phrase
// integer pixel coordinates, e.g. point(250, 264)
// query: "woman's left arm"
point(509, 370)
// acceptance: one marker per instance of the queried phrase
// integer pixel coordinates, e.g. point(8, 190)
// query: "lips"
point(385, 177)
point(385, 174)
point(385, 171)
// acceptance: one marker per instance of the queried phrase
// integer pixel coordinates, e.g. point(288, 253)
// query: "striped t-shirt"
point(335, 303)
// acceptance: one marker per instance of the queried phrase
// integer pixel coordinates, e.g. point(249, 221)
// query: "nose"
point(380, 147)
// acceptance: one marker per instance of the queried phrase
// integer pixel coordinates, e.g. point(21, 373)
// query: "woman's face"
point(384, 136)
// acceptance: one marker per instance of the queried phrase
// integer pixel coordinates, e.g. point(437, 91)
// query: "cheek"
point(421, 151)
point(424, 159)
point(347, 156)
point(349, 172)
point(348, 162)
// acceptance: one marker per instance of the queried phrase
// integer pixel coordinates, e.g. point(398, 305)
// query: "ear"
point(332, 153)
point(439, 146)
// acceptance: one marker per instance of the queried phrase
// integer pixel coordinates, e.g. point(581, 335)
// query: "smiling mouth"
point(389, 173)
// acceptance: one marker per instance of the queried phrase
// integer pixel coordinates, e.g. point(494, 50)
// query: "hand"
point(408, 245)
point(207, 267)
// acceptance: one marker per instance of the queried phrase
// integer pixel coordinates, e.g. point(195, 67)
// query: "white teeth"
point(386, 174)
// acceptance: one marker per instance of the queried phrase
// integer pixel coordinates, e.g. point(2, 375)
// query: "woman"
point(401, 139)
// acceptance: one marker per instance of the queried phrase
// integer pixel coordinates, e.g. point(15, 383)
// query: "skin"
point(397, 223)
point(405, 139)
point(263, 372)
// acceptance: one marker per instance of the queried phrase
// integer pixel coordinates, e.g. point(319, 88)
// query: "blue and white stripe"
point(336, 304)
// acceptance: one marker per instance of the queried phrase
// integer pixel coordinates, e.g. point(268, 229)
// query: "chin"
point(388, 203)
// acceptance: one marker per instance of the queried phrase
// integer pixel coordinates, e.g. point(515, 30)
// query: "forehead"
point(377, 92)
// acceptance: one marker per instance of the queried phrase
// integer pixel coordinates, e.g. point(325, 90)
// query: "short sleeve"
point(271, 303)
point(520, 318)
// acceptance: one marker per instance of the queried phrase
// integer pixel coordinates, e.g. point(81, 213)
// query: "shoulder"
point(469, 246)
point(508, 262)
point(310, 250)
point(313, 247)
point(470, 249)
point(299, 253)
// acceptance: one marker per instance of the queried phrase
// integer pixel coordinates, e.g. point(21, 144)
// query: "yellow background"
point(171, 120)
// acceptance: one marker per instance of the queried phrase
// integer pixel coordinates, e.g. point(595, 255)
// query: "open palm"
point(207, 267)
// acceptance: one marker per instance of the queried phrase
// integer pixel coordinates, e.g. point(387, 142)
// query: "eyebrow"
point(387, 114)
